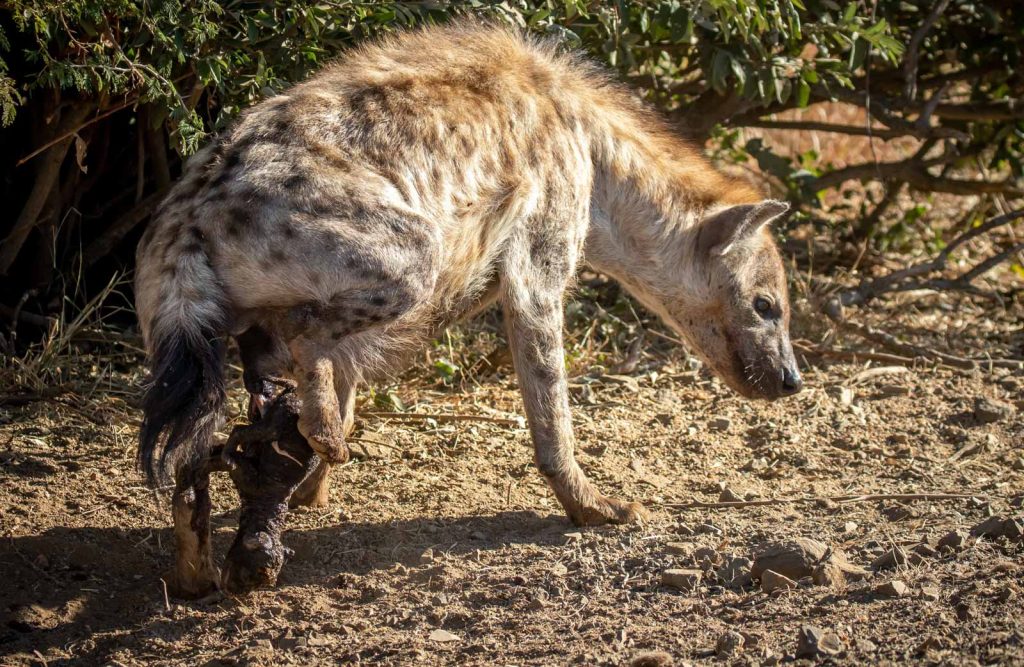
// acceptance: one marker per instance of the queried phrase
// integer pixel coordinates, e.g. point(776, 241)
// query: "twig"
point(443, 417)
point(854, 356)
point(913, 47)
point(897, 280)
point(860, 498)
point(893, 343)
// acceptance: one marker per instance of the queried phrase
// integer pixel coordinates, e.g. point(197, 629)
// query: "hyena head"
point(737, 317)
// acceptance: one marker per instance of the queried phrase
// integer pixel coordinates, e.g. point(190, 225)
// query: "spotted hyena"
point(339, 225)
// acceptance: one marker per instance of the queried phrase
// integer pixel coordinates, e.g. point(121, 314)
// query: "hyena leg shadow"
point(533, 311)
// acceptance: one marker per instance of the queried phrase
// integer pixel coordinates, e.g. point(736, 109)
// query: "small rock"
point(897, 513)
point(890, 559)
point(735, 572)
point(729, 644)
point(799, 558)
point(772, 581)
point(930, 593)
point(679, 548)
point(866, 646)
point(684, 580)
point(427, 557)
point(995, 527)
point(559, 569)
point(720, 424)
point(478, 535)
point(954, 540)
point(706, 556)
point(440, 635)
point(989, 411)
point(574, 537)
point(849, 527)
point(1005, 595)
point(891, 589)
point(813, 642)
point(925, 550)
point(730, 496)
point(652, 659)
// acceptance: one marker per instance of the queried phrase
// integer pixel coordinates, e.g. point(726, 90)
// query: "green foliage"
point(204, 60)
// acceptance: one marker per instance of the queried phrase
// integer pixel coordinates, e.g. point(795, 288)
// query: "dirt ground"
point(442, 544)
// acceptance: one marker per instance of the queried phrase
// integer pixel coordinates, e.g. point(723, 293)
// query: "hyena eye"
point(763, 305)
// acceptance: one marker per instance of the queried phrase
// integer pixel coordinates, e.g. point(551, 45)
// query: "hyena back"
point(341, 223)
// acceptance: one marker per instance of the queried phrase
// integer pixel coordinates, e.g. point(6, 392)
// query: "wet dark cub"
point(268, 460)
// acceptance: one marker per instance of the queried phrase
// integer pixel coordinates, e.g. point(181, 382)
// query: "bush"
point(99, 100)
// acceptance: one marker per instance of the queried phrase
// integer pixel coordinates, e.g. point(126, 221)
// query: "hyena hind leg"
point(194, 575)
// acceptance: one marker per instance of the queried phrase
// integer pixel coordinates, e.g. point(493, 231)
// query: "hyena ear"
point(726, 228)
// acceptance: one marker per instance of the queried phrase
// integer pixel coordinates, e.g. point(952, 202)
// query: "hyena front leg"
point(533, 311)
point(320, 420)
point(315, 490)
point(194, 574)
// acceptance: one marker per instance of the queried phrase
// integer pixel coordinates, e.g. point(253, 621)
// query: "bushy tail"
point(182, 316)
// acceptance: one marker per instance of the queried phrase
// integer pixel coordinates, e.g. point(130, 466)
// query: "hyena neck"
point(652, 192)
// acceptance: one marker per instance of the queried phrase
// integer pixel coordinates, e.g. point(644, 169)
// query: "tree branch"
point(913, 48)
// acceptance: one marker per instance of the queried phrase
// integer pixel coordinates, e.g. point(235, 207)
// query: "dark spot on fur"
point(378, 300)
point(376, 317)
point(359, 312)
point(295, 181)
point(277, 255)
point(192, 247)
point(288, 231)
point(311, 376)
point(336, 335)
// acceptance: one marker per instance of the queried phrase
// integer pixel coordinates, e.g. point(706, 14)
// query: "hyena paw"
point(608, 510)
point(327, 442)
point(193, 585)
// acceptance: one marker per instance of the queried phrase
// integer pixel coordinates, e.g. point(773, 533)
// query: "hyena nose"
point(791, 381)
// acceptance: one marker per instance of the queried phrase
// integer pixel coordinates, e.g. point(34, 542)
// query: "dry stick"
point(860, 498)
point(868, 289)
point(442, 417)
point(896, 344)
point(853, 355)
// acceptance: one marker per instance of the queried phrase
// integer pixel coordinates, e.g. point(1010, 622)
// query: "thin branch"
point(913, 48)
point(899, 281)
point(816, 126)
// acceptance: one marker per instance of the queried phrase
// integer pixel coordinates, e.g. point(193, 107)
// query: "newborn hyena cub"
point(344, 222)
point(268, 460)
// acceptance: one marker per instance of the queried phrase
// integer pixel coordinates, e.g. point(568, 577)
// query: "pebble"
point(652, 659)
point(440, 635)
point(954, 540)
point(989, 411)
point(892, 589)
point(773, 581)
point(866, 646)
point(705, 556)
point(890, 559)
point(730, 496)
point(925, 550)
point(681, 579)
point(679, 548)
point(720, 424)
point(995, 527)
point(735, 572)
point(930, 593)
point(729, 644)
point(813, 642)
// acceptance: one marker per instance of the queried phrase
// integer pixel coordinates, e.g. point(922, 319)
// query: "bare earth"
point(446, 526)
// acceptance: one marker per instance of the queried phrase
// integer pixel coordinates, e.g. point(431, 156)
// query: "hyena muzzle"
point(340, 224)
